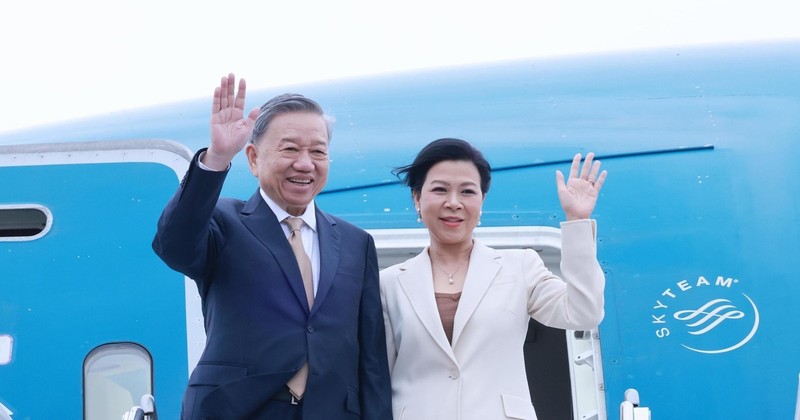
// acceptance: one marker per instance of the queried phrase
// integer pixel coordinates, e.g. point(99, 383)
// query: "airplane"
point(698, 225)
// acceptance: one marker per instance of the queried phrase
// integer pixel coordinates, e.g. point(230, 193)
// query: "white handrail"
point(5, 413)
point(629, 408)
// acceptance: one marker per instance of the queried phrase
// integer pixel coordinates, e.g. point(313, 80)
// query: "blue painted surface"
point(730, 210)
point(91, 280)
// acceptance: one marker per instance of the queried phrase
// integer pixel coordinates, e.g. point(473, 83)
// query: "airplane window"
point(6, 344)
point(24, 222)
point(115, 376)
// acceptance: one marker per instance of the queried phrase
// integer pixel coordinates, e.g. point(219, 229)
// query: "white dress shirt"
point(308, 231)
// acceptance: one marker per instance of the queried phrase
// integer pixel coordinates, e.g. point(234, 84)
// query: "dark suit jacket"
point(258, 325)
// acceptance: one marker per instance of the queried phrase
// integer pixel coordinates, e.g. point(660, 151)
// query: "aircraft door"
point(78, 272)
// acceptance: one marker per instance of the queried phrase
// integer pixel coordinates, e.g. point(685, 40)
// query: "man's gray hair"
point(285, 103)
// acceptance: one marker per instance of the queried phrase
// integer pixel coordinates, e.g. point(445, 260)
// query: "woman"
point(457, 314)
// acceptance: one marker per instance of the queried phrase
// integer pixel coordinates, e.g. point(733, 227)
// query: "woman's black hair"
point(413, 175)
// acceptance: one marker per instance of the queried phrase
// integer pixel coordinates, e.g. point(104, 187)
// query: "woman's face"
point(450, 201)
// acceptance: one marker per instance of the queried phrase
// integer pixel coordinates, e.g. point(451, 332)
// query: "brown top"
point(447, 304)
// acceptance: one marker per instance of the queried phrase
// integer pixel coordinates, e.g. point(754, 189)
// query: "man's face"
point(290, 159)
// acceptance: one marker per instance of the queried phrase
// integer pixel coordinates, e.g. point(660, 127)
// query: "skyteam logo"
point(706, 316)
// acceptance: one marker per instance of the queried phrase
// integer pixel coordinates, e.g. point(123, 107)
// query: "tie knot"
point(294, 223)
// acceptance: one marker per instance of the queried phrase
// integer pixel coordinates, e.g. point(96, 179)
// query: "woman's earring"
point(479, 217)
point(419, 216)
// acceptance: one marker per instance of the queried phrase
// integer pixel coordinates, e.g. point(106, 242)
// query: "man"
point(277, 348)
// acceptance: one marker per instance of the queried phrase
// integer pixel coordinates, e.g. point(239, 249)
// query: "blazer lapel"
point(330, 240)
point(483, 267)
point(416, 280)
point(263, 224)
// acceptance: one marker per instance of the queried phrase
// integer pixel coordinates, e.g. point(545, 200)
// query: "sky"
point(62, 60)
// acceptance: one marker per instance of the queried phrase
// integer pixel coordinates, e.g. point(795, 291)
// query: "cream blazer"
point(481, 376)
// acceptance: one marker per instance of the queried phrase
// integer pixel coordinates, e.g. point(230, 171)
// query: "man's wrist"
point(209, 164)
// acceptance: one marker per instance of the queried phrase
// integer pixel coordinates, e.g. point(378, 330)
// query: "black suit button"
point(310, 329)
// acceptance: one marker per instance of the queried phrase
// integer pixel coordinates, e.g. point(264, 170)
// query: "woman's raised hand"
point(578, 195)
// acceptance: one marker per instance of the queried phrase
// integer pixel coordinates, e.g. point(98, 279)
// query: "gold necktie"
point(296, 241)
point(297, 384)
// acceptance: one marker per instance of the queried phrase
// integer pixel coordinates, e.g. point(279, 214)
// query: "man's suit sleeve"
point(184, 236)
point(375, 386)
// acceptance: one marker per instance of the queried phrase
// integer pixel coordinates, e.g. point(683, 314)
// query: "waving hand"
point(578, 195)
point(230, 131)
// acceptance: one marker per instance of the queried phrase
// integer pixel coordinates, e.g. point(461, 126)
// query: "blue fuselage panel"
point(92, 279)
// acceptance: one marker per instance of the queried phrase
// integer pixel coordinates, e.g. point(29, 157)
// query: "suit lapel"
point(263, 224)
point(483, 267)
point(416, 280)
point(330, 240)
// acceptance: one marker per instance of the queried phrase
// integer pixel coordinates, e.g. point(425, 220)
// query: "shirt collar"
point(309, 216)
